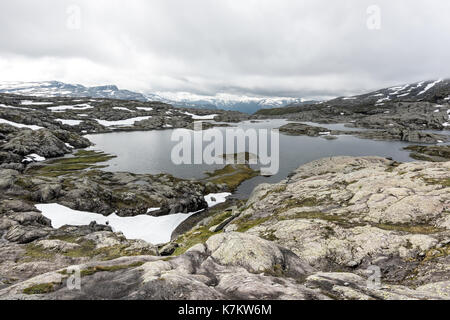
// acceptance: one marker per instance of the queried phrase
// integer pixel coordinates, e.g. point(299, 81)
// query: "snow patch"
point(11, 107)
point(145, 108)
point(20, 125)
point(383, 99)
point(216, 198)
point(151, 229)
point(69, 122)
point(122, 108)
point(33, 158)
point(429, 86)
point(126, 122)
point(83, 106)
point(30, 102)
point(197, 117)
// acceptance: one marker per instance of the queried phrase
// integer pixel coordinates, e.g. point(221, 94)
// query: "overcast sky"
point(294, 48)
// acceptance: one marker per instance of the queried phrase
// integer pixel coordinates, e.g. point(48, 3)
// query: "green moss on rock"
point(41, 288)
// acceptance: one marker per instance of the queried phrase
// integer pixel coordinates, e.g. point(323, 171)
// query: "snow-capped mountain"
point(223, 101)
point(60, 89)
point(429, 91)
point(178, 99)
point(433, 92)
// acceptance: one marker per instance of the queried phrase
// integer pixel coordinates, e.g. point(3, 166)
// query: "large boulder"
point(254, 254)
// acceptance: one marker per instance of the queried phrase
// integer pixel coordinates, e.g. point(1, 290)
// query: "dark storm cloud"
point(259, 47)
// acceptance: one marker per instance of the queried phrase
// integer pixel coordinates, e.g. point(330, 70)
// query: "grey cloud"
point(260, 47)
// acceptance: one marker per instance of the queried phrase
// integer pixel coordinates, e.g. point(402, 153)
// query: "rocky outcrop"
point(105, 192)
point(337, 228)
point(300, 129)
point(29, 246)
point(218, 269)
point(349, 213)
point(43, 142)
point(439, 153)
point(227, 266)
point(401, 134)
point(397, 134)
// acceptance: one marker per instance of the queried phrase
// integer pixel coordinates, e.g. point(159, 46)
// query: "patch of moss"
point(82, 160)
point(218, 218)
point(117, 251)
point(278, 189)
point(200, 234)
point(269, 235)
point(416, 229)
point(445, 182)
point(86, 248)
point(65, 238)
point(231, 175)
point(41, 288)
point(244, 224)
point(193, 237)
point(422, 157)
point(297, 203)
point(313, 215)
point(35, 252)
point(92, 270)
point(437, 253)
point(392, 166)
point(430, 153)
point(277, 271)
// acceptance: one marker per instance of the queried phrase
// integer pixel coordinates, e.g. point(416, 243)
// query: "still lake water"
point(150, 152)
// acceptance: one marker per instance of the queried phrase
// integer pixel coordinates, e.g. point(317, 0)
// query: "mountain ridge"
point(222, 101)
point(433, 91)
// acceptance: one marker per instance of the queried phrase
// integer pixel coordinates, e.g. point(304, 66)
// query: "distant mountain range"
point(433, 91)
point(60, 89)
point(430, 91)
point(180, 99)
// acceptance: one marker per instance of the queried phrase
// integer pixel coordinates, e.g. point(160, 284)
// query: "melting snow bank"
point(151, 229)
point(33, 103)
point(69, 122)
point(33, 158)
point(20, 125)
point(196, 117)
point(126, 122)
point(83, 106)
point(216, 198)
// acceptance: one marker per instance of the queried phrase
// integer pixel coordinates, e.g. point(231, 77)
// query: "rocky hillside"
point(86, 115)
point(320, 234)
point(395, 133)
point(419, 106)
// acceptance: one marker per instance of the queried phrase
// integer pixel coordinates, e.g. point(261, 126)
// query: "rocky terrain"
point(397, 134)
point(86, 115)
point(319, 234)
point(336, 228)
